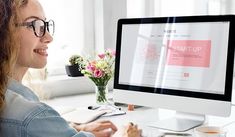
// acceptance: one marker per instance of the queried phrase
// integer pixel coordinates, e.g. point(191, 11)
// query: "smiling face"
point(33, 49)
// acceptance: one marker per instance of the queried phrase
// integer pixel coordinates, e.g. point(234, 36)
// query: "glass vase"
point(101, 95)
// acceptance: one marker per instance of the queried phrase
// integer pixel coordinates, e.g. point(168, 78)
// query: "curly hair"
point(9, 43)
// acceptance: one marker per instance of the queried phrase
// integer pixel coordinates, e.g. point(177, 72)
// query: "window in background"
point(157, 8)
point(70, 34)
point(214, 7)
point(136, 8)
point(86, 26)
point(177, 7)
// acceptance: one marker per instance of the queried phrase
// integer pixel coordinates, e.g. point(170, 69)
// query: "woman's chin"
point(39, 66)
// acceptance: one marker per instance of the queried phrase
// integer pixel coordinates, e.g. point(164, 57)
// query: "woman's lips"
point(42, 52)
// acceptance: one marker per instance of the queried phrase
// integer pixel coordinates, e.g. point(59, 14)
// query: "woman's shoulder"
point(34, 118)
point(18, 108)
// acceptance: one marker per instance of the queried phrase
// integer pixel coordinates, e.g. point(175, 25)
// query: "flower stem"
point(101, 94)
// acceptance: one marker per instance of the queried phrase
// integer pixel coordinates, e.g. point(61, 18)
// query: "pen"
point(93, 107)
point(113, 105)
point(177, 134)
point(116, 107)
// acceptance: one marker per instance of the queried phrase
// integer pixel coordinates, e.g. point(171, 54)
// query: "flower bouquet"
point(100, 71)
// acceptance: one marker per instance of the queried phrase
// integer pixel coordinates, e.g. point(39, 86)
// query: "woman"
point(8, 46)
point(23, 115)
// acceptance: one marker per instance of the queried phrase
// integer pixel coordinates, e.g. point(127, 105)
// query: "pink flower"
point(100, 70)
point(98, 73)
point(113, 52)
point(110, 52)
point(101, 56)
point(91, 67)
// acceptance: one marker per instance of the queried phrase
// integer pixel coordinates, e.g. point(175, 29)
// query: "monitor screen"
point(168, 61)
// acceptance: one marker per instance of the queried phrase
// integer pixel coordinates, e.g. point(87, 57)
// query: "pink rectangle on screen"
point(194, 53)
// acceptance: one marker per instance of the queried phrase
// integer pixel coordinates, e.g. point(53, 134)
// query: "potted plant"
point(72, 69)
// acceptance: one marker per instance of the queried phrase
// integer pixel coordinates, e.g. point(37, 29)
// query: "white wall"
point(106, 22)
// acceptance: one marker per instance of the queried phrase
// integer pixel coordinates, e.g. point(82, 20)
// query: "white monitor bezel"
point(199, 103)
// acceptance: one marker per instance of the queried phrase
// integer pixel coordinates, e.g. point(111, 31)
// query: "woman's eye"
point(30, 26)
point(41, 29)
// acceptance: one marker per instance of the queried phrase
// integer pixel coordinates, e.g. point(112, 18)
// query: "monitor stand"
point(180, 123)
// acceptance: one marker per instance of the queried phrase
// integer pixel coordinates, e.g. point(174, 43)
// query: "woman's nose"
point(47, 38)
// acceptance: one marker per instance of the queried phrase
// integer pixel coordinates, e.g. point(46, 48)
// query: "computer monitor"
point(178, 63)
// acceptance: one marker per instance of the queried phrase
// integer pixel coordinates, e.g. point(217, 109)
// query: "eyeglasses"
point(40, 27)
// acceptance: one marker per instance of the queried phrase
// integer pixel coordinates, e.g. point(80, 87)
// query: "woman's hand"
point(101, 128)
point(131, 130)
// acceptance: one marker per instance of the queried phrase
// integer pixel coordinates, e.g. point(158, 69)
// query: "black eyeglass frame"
point(46, 24)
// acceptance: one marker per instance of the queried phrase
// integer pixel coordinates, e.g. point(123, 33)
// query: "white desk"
point(142, 116)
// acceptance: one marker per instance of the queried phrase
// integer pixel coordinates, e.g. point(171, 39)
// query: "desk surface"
point(142, 116)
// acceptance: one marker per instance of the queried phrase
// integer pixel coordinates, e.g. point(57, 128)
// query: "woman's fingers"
point(103, 133)
point(107, 124)
point(130, 123)
point(131, 130)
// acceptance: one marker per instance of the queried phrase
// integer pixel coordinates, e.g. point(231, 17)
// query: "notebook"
point(79, 115)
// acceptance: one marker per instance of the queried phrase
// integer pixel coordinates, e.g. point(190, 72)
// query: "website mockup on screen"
point(180, 56)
